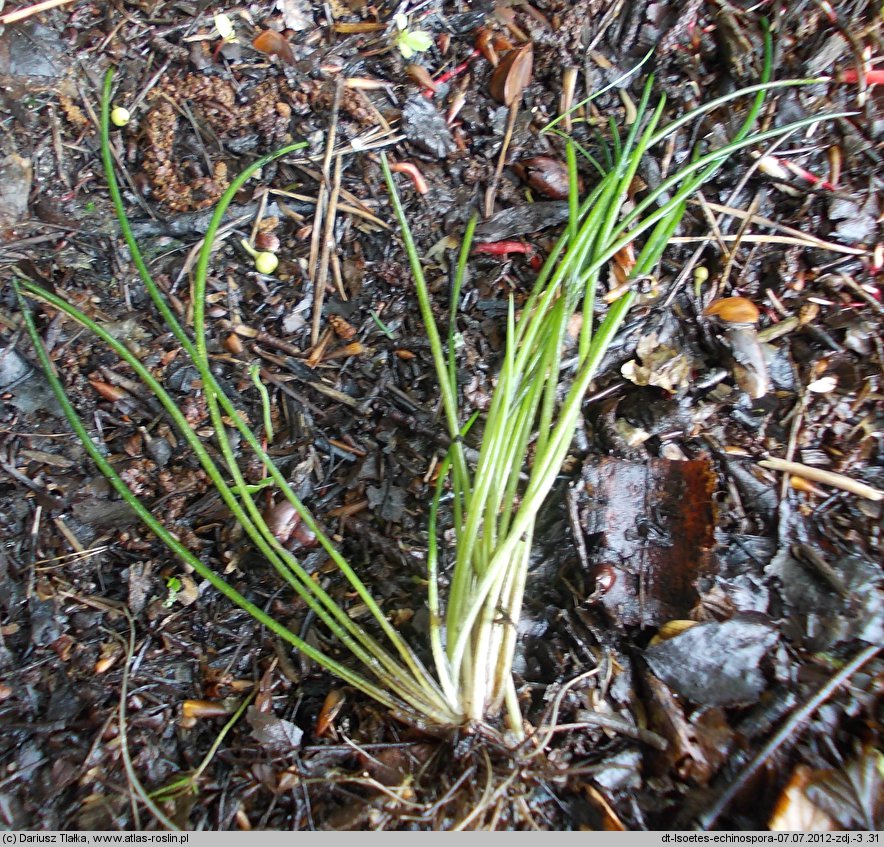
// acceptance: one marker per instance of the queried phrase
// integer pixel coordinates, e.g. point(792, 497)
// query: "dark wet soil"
point(699, 644)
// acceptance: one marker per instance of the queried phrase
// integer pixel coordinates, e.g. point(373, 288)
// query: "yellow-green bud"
point(266, 263)
point(701, 274)
point(119, 116)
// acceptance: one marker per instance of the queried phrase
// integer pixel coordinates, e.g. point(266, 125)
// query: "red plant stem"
point(502, 248)
point(812, 178)
point(873, 77)
point(455, 71)
point(420, 184)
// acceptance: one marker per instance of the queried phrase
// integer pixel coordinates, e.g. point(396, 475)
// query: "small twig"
point(797, 421)
point(449, 795)
point(550, 728)
point(704, 242)
point(342, 207)
point(758, 238)
point(856, 288)
point(149, 86)
point(318, 245)
point(489, 795)
point(69, 536)
point(21, 14)
point(491, 193)
point(328, 242)
point(593, 720)
point(604, 24)
point(714, 226)
point(797, 233)
point(57, 148)
point(316, 234)
point(576, 530)
point(259, 216)
point(789, 729)
point(317, 175)
point(845, 483)
point(741, 233)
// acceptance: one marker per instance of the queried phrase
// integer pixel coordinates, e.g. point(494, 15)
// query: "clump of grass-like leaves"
point(494, 503)
point(494, 510)
point(399, 680)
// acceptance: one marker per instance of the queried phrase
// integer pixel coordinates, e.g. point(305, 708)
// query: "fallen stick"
point(825, 477)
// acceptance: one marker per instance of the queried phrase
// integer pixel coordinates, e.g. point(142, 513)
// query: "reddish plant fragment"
point(421, 76)
point(622, 263)
point(273, 44)
point(782, 168)
point(485, 46)
point(331, 707)
point(811, 177)
point(504, 248)
point(872, 77)
point(109, 392)
point(420, 184)
point(455, 71)
point(734, 310)
point(204, 709)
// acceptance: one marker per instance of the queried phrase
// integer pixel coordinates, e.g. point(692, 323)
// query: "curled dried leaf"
point(331, 707)
point(485, 46)
point(734, 310)
point(420, 75)
point(273, 44)
point(109, 392)
point(512, 76)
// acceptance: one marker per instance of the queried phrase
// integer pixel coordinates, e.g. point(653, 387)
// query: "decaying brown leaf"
point(512, 76)
point(657, 364)
point(273, 44)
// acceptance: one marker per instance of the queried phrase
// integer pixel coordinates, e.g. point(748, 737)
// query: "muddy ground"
point(699, 643)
